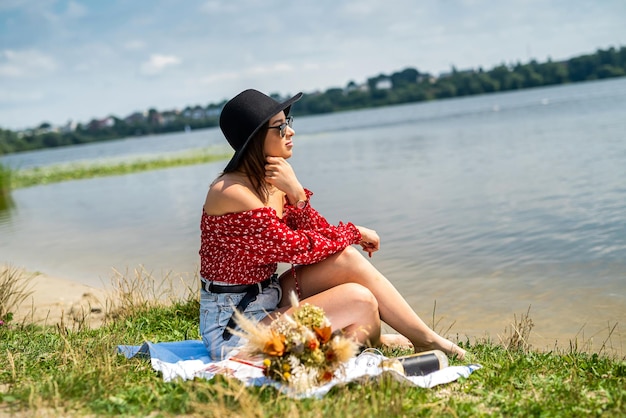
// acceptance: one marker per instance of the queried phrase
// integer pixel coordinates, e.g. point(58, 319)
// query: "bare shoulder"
point(228, 194)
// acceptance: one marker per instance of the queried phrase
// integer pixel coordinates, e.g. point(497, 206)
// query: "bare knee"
point(361, 302)
point(348, 303)
point(359, 296)
point(352, 264)
point(349, 256)
point(362, 306)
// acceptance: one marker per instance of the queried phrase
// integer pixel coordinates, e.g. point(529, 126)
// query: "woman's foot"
point(395, 341)
point(440, 343)
point(437, 343)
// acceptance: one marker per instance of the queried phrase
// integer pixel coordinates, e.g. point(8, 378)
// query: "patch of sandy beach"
point(54, 301)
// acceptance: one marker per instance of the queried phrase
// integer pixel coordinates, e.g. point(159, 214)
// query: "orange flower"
point(323, 333)
point(313, 344)
point(275, 346)
point(326, 376)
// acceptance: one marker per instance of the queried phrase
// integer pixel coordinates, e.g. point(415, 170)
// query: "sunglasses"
point(283, 126)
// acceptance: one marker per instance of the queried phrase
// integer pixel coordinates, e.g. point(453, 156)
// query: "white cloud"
point(30, 63)
point(157, 63)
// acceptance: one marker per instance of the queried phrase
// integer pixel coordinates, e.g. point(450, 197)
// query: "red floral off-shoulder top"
point(246, 247)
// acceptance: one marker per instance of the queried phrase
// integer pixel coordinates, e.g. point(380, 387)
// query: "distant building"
point(196, 112)
point(384, 84)
point(155, 118)
point(70, 126)
point(352, 86)
point(137, 117)
point(101, 123)
point(212, 111)
point(169, 116)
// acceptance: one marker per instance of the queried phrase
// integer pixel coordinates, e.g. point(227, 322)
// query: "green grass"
point(5, 188)
point(5, 179)
point(54, 174)
point(72, 370)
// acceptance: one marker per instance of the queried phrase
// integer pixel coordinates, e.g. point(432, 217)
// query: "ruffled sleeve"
point(302, 219)
point(260, 234)
point(245, 247)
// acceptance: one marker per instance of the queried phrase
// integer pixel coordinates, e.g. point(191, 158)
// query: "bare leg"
point(361, 321)
point(349, 266)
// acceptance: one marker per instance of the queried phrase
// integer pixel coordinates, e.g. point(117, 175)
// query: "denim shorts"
point(217, 308)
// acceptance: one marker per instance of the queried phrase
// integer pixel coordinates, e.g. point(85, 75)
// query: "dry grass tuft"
point(609, 348)
point(518, 335)
point(436, 323)
point(139, 289)
point(14, 289)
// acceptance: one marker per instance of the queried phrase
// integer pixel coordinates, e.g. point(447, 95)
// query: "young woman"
point(257, 214)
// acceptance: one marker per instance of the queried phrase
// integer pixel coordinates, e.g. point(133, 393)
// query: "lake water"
point(485, 205)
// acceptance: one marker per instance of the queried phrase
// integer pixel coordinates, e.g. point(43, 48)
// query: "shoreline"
point(55, 301)
point(58, 301)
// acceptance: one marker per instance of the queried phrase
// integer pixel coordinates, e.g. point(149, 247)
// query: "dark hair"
point(252, 164)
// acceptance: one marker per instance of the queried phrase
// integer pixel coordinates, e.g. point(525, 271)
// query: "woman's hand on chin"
point(280, 174)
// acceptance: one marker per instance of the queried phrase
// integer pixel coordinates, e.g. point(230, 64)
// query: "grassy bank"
point(5, 179)
point(13, 179)
point(5, 187)
point(72, 370)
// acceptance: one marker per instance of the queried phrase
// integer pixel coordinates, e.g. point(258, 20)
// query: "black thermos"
point(421, 364)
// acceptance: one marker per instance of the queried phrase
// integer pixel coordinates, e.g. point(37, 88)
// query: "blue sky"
point(79, 60)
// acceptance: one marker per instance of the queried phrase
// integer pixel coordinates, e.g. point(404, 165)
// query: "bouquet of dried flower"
point(298, 349)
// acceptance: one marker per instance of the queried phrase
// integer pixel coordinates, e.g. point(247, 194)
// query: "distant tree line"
point(45, 136)
point(410, 85)
point(405, 86)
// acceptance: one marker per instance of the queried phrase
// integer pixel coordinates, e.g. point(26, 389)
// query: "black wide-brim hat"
point(244, 115)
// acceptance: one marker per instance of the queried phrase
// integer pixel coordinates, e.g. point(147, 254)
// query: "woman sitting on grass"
point(257, 214)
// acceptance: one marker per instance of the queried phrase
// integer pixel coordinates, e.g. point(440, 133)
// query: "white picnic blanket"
point(189, 359)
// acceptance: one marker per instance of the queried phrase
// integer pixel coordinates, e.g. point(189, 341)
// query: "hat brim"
point(284, 106)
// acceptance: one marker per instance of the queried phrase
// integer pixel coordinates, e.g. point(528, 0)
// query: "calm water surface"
point(485, 206)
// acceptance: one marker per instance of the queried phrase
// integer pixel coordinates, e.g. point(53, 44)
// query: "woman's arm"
point(262, 236)
point(280, 174)
point(370, 241)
